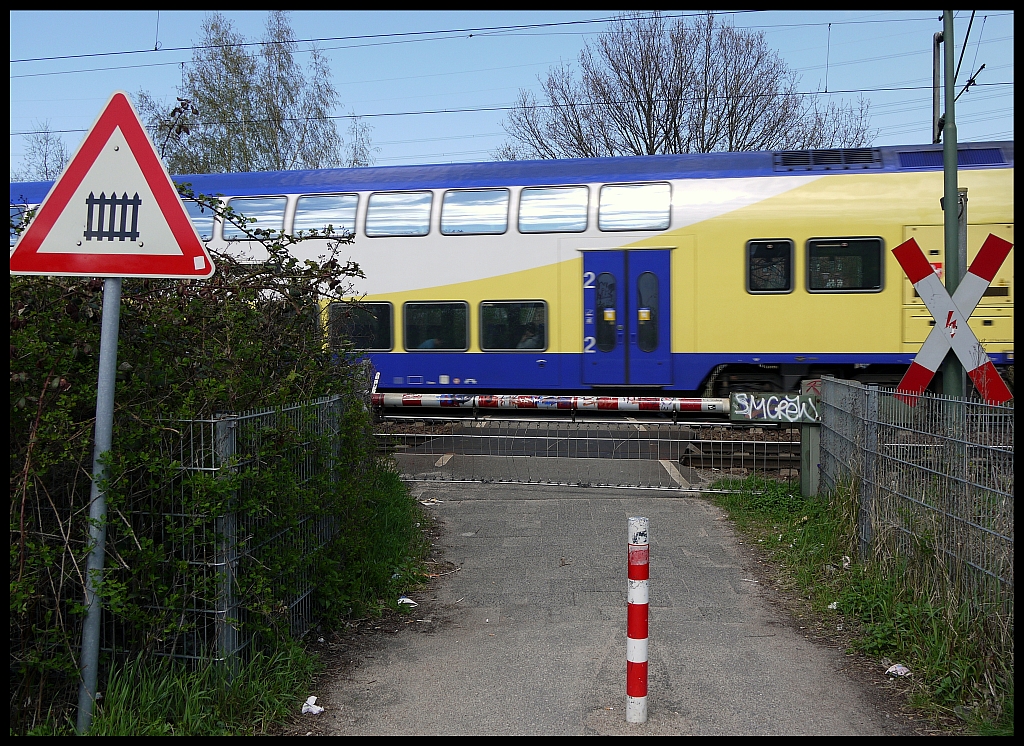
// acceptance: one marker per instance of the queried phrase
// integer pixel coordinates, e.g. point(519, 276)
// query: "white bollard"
point(638, 554)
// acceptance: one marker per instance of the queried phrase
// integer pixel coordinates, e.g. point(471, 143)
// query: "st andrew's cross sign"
point(114, 212)
point(951, 314)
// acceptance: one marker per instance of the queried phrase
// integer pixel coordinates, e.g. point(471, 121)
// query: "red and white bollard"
point(636, 621)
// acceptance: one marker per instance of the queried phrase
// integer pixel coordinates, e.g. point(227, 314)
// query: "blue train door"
point(626, 317)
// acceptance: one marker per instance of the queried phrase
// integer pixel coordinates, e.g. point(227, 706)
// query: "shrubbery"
point(249, 337)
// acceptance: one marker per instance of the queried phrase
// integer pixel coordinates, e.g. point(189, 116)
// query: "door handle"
point(541, 363)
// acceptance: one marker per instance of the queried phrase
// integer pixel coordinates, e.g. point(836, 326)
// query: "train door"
point(626, 317)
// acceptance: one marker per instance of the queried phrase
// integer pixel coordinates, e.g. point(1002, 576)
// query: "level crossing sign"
point(951, 314)
point(114, 212)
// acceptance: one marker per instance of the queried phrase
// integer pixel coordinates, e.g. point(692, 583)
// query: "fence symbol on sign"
point(113, 202)
point(955, 333)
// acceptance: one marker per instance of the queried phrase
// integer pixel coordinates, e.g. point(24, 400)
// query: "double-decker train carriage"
point(660, 276)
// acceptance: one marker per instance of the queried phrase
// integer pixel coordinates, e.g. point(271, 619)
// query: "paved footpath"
point(529, 635)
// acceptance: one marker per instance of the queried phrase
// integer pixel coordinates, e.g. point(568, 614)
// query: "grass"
point(384, 551)
point(959, 650)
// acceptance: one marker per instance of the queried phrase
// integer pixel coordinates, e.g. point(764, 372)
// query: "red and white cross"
point(951, 314)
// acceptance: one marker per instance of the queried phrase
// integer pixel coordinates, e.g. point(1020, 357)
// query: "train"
point(660, 276)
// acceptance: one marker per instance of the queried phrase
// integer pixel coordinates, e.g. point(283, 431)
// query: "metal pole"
point(936, 86)
point(869, 473)
point(953, 378)
point(226, 434)
point(638, 553)
point(97, 501)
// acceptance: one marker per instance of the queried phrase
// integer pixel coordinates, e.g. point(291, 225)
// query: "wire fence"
point(934, 479)
point(220, 564)
point(621, 453)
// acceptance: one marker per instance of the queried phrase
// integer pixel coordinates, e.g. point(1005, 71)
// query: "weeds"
point(162, 697)
point(959, 648)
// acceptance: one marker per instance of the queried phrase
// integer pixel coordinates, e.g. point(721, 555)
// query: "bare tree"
point(262, 111)
point(649, 86)
point(45, 156)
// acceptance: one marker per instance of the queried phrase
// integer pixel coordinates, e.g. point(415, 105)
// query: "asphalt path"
point(527, 635)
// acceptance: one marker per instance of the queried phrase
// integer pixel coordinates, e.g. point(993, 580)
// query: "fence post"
point(869, 476)
point(810, 443)
point(226, 445)
point(810, 458)
point(638, 553)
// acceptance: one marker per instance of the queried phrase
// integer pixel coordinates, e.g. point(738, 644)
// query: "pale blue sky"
point(865, 51)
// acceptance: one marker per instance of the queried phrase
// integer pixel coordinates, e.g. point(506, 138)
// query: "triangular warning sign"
point(114, 212)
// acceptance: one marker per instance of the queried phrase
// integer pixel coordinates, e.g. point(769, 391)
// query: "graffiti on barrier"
point(769, 407)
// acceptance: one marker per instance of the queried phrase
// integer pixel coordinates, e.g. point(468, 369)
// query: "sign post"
point(113, 213)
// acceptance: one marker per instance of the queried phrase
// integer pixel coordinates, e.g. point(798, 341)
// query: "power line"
point(466, 110)
point(94, 70)
point(481, 29)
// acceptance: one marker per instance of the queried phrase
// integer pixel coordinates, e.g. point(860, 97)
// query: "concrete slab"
point(529, 637)
point(549, 470)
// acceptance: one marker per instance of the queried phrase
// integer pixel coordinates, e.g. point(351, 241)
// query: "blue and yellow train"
point(654, 275)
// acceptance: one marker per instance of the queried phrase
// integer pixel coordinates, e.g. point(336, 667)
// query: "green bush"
point(250, 337)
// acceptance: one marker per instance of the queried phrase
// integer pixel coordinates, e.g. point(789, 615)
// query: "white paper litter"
point(310, 707)
point(407, 601)
point(846, 562)
point(834, 605)
point(898, 670)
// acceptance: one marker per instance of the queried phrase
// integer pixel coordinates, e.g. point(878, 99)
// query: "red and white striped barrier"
point(533, 401)
point(638, 553)
point(951, 314)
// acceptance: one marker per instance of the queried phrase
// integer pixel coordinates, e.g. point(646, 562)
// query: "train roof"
point(995, 154)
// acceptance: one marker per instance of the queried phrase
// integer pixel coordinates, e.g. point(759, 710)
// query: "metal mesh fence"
point(620, 453)
point(935, 478)
point(218, 563)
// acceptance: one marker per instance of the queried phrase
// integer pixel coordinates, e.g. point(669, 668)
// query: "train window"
point(17, 215)
point(366, 325)
point(513, 325)
point(553, 209)
point(627, 207)
point(268, 211)
point(316, 212)
point(437, 326)
point(606, 307)
point(837, 265)
point(474, 211)
point(201, 217)
point(647, 312)
point(399, 214)
point(770, 266)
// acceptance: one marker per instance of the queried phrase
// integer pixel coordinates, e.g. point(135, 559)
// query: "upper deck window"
point(316, 212)
point(628, 207)
point(268, 211)
point(17, 215)
point(553, 209)
point(468, 211)
point(836, 265)
point(201, 217)
point(398, 214)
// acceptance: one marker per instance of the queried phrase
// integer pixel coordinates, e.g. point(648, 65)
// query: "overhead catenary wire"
point(506, 107)
point(481, 30)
